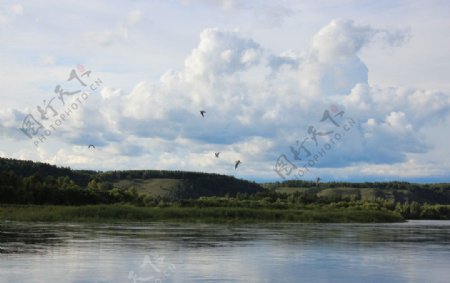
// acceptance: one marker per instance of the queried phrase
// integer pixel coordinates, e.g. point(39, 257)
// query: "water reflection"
point(25, 239)
point(416, 251)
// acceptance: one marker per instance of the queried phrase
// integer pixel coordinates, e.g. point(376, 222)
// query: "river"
point(416, 251)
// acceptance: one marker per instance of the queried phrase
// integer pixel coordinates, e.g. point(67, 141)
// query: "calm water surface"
point(417, 251)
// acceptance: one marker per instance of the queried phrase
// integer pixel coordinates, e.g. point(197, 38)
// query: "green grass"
point(368, 194)
point(342, 192)
point(120, 213)
point(291, 190)
point(153, 187)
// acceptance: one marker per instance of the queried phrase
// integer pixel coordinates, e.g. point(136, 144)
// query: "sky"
point(342, 90)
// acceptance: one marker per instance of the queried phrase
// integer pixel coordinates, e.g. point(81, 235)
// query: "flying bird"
point(217, 154)
point(203, 112)
point(91, 145)
point(237, 164)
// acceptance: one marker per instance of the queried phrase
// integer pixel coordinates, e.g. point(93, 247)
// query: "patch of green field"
point(368, 194)
point(339, 193)
point(291, 190)
point(153, 187)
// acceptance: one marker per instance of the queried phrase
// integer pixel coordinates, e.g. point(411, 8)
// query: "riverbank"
point(124, 213)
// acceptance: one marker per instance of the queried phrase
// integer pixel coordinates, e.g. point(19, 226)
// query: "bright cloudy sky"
point(265, 72)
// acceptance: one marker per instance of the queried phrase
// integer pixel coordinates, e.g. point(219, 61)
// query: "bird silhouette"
point(91, 145)
point(217, 154)
point(237, 164)
point(203, 112)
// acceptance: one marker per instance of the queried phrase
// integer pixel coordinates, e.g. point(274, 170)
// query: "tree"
point(93, 184)
point(414, 210)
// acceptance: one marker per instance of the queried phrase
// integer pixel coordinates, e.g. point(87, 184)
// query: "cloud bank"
point(257, 105)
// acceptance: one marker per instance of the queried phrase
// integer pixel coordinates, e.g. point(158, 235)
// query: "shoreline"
point(130, 213)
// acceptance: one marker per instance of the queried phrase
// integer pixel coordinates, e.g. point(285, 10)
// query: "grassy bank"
point(120, 213)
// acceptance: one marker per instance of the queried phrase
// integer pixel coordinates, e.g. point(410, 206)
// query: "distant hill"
point(178, 184)
point(26, 168)
point(369, 191)
point(29, 175)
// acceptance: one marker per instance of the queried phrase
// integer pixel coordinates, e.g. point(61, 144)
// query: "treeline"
point(398, 191)
point(209, 185)
point(394, 185)
point(308, 201)
point(60, 190)
point(25, 168)
point(151, 174)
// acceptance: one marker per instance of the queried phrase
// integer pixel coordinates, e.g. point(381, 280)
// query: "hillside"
point(26, 168)
point(399, 192)
point(41, 183)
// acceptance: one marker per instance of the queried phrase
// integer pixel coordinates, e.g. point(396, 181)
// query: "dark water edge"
point(414, 251)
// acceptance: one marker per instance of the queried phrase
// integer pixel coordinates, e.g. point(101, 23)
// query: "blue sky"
point(265, 73)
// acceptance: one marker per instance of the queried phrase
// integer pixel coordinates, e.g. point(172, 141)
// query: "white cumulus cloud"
point(258, 104)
